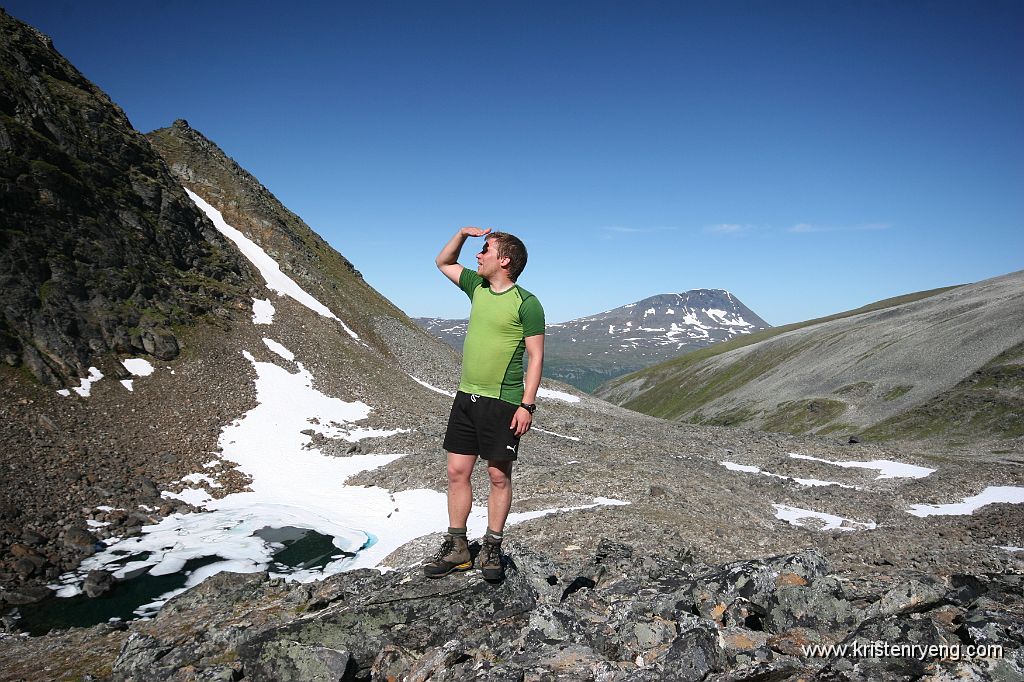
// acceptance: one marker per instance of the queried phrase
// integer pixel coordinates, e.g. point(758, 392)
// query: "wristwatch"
point(529, 407)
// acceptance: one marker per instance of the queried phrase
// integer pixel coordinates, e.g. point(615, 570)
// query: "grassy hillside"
point(678, 387)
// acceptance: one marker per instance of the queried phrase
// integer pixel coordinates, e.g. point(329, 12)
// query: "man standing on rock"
point(492, 408)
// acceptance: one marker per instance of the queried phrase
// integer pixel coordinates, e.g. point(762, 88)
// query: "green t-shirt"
point(492, 355)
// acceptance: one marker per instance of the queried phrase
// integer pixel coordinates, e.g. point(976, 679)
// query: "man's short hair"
point(511, 247)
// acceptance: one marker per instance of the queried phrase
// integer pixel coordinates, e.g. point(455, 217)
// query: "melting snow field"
point(293, 484)
point(262, 311)
point(887, 469)
point(276, 280)
point(139, 367)
point(85, 387)
point(435, 389)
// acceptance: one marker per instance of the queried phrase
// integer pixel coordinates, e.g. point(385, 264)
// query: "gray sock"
point(457, 532)
point(494, 536)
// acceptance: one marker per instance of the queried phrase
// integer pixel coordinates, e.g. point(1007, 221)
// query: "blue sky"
point(810, 157)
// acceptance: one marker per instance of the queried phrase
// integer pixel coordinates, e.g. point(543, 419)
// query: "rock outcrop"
point(103, 251)
point(623, 614)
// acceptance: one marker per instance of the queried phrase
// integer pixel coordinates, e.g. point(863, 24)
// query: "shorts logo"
point(510, 447)
point(473, 397)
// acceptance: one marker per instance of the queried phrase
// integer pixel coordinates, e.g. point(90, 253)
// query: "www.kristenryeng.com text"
point(882, 649)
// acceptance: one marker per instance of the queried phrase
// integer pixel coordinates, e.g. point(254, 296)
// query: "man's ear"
point(504, 261)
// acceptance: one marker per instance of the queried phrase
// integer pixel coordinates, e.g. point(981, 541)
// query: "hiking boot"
point(490, 560)
point(453, 556)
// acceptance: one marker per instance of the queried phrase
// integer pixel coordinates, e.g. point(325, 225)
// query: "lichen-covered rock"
point(285, 661)
point(742, 591)
point(694, 653)
point(917, 594)
point(867, 659)
point(817, 605)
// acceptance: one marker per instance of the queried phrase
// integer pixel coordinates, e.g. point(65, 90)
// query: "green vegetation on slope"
point(801, 416)
point(989, 402)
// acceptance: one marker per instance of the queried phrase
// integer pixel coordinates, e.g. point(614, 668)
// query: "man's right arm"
point(448, 260)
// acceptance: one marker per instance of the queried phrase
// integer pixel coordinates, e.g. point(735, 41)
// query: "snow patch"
point(732, 466)
point(806, 517)
point(279, 349)
point(276, 280)
point(262, 311)
point(85, 388)
point(806, 482)
point(991, 495)
point(140, 367)
point(557, 395)
point(519, 517)
point(886, 468)
point(552, 433)
point(432, 388)
point(127, 383)
point(201, 478)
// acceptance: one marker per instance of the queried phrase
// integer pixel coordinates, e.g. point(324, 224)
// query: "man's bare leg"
point(500, 500)
point(460, 488)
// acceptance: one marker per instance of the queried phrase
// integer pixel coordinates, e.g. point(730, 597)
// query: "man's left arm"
point(522, 419)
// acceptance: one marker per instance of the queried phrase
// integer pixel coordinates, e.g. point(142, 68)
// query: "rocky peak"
point(103, 250)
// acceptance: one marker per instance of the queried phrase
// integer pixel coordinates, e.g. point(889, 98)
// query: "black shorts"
point(479, 425)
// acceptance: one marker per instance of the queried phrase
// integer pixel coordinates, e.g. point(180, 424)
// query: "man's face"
point(487, 261)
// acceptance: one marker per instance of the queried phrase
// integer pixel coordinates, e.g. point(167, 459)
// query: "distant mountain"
point(588, 351)
point(947, 362)
point(452, 332)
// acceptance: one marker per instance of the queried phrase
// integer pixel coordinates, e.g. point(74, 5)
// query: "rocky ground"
point(66, 456)
point(695, 578)
point(618, 612)
point(639, 591)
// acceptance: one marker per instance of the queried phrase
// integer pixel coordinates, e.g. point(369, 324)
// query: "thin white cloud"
point(806, 228)
point(626, 230)
point(727, 228)
point(616, 231)
point(636, 230)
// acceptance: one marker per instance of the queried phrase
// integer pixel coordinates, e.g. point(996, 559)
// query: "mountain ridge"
point(790, 366)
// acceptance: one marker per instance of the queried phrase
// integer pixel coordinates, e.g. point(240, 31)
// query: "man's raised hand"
point(470, 231)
